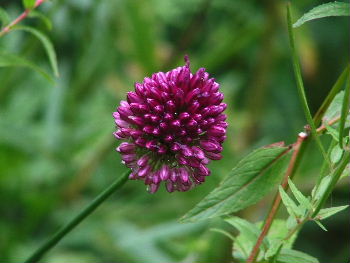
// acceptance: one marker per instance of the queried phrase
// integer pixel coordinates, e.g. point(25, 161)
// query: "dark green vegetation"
point(56, 144)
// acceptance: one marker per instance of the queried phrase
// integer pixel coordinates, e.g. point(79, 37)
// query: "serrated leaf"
point(248, 235)
point(292, 208)
point(325, 10)
point(28, 4)
point(321, 225)
point(303, 201)
point(42, 17)
point(336, 154)
point(294, 256)
point(4, 18)
point(327, 212)
point(11, 60)
point(50, 51)
point(249, 181)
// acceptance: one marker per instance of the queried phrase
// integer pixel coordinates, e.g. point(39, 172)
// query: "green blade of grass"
point(300, 86)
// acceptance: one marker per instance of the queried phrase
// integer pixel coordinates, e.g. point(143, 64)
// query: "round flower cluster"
point(172, 125)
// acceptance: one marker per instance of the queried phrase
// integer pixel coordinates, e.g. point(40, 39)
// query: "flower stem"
point(22, 16)
point(37, 255)
point(301, 89)
point(293, 163)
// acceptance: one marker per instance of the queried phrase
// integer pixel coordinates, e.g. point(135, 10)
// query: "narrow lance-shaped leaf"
point(344, 112)
point(294, 256)
point(11, 60)
point(299, 196)
point(292, 208)
point(320, 225)
point(46, 43)
point(325, 10)
point(327, 212)
point(249, 181)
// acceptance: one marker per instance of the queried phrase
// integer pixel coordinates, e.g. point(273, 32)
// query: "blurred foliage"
point(56, 144)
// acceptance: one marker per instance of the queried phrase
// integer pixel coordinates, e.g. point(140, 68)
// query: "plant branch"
point(289, 174)
point(277, 200)
point(37, 255)
point(22, 16)
point(323, 127)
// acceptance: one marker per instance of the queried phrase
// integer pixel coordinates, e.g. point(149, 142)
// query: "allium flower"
point(172, 126)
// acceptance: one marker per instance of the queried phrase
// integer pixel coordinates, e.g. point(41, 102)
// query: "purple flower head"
point(172, 125)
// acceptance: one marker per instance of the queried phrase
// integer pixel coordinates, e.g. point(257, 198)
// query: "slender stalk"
point(323, 127)
point(277, 201)
point(22, 16)
point(300, 86)
point(38, 254)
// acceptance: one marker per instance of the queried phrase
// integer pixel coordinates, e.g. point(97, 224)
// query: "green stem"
point(37, 255)
point(300, 86)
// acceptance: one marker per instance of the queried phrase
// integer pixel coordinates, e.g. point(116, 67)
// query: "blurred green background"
point(57, 151)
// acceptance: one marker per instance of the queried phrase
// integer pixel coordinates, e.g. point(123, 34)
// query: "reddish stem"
point(22, 16)
point(277, 201)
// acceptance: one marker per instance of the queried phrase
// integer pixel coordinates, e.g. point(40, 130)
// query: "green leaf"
point(248, 235)
point(273, 248)
point(293, 256)
point(346, 172)
point(225, 233)
point(318, 192)
point(336, 154)
point(327, 212)
point(46, 43)
point(333, 132)
point(42, 17)
point(320, 225)
point(334, 108)
point(333, 92)
point(291, 222)
point(11, 60)
point(344, 112)
point(4, 18)
point(28, 4)
point(279, 231)
point(325, 10)
point(249, 181)
point(303, 201)
point(292, 208)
